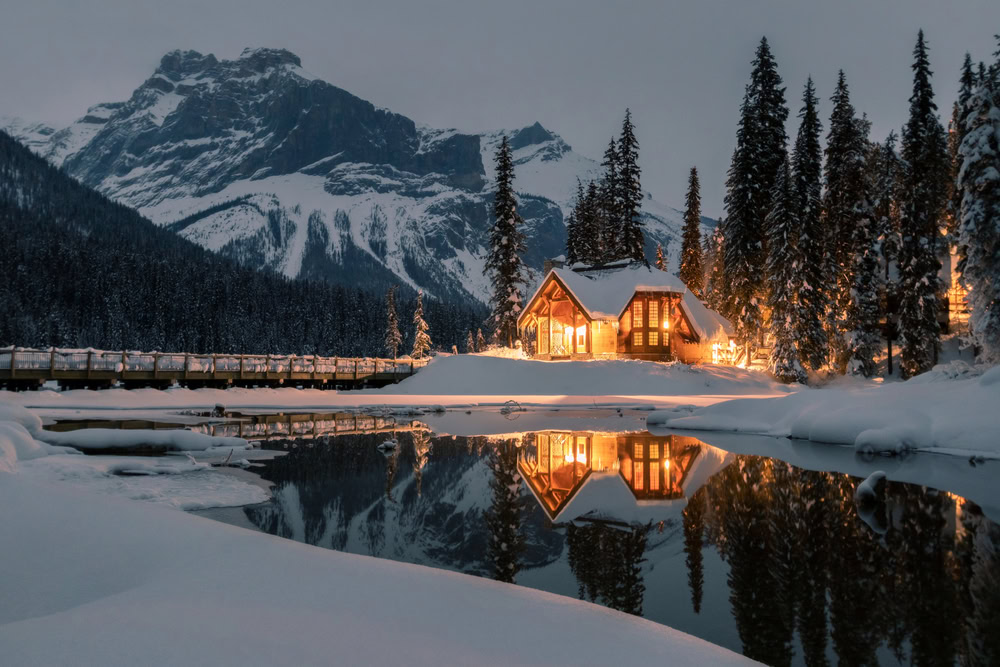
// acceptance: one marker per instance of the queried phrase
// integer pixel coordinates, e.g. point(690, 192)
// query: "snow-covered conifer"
point(504, 265)
point(783, 273)
point(845, 204)
point(421, 339)
point(480, 341)
point(923, 196)
point(715, 292)
point(393, 339)
point(470, 343)
point(864, 339)
point(576, 228)
point(979, 226)
point(691, 273)
point(633, 242)
point(503, 520)
point(760, 147)
point(661, 261)
point(606, 208)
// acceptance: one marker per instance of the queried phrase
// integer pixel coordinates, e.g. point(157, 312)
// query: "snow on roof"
point(604, 294)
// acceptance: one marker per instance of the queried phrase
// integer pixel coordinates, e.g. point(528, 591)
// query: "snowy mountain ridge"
point(259, 160)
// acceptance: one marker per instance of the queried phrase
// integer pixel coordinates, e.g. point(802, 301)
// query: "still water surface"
point(768, 559)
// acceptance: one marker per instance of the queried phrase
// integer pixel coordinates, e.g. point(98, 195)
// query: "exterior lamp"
point(666, 464)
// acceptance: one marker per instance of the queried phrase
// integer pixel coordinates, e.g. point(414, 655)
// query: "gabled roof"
point(604, 295)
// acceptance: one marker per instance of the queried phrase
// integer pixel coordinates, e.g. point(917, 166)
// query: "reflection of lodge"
point(560, 463)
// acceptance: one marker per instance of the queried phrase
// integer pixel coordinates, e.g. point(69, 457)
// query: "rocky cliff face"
point(257, 159)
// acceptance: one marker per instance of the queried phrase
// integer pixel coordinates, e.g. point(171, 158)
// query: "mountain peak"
point(533, 134)
point(261, 59)
point(178, 63)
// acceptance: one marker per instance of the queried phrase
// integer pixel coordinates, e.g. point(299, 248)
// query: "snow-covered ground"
point(452, 381)
point(91, 580)
point(951, 409)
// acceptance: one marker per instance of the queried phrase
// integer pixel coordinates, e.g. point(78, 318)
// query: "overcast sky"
point(573, 65)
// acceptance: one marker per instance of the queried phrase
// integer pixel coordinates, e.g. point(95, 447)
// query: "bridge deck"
point(24, 368)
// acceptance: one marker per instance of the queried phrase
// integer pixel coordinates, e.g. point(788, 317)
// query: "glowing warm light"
point(581, 330)
point(666, 464)
point(580, 458)
point(568, 332)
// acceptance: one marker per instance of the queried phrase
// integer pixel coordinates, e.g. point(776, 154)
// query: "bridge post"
point(90, 362)
point(355, 368)
point(242, 365)
point(156, 365)
point(187, 364)
point(13, 352)
point(291, 364)
point(52, 364)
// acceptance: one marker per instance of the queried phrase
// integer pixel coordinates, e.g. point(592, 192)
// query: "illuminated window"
point(638, 478)
point(637, 338)
point(654, 478)
point(637, 315)
point(637, 452)
point(654, 315)
point(654, 336)
point(654, 450)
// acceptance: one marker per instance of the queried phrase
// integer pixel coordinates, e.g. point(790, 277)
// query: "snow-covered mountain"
point(259, 160)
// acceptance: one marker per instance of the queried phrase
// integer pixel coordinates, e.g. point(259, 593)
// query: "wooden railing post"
point(212, 371)
point(52, 364)
point(355, 370)
point(242, 365)
point(13, 365)
point(156, 365)
point(90, 362)
point(291, 365)
point(187, 365)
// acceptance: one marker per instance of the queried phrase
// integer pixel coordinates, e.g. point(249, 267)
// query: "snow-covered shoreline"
point(934, 412)
point(90, 580)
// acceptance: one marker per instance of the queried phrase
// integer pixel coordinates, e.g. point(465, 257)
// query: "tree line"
point(821, 245)
point(78, 270)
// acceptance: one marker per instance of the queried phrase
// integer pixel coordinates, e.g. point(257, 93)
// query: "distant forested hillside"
point(78, 270)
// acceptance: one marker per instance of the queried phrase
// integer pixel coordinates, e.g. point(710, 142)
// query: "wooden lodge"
point(628, 310)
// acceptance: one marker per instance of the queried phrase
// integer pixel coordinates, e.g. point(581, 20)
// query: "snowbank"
point(151, 586)
point(19, 429)
point(931, 412)
point(453, 380)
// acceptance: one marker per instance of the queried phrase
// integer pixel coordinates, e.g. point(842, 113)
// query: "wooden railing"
point(98, 367)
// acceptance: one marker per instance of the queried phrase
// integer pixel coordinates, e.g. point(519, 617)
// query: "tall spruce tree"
point(956, 133)
point(393, 339)
point(924, 193)
point(887, 174)
point(807, 169)
point(979, 226)
point(715, 293)
point(845, 204)
point(661, 261)
point(760, 147)
point(692, 272)
point(593, 227)
point(470, 343)
point(784, 274)
point(421, 337)
point(864, 340)
point(632, 239)
point(574, 228)
point(504, 265)
point(606, 208)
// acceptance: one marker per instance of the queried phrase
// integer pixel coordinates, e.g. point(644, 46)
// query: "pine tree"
point(845, 205)
point(393, 339)
point(691, 273)
point(591, 225)
point(661, 262)
point(885, 204)
point(480, 341)
point(421, 339)
point(504, 264)
point(694, 538)
point(633, 242)
point(606, 208)
point(979, 226)
point(575, 228)
point(470, 343)
point(760, 147)
point(924, 190)
point(503, 520)
point(956, 133)
point(715, 256)
point(783, 272)
point(864, 339)
point(807, 173)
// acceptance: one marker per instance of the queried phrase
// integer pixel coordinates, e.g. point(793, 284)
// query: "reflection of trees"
point(607, 561)
point(694, 529)
point(505, 542)
point(799, 554)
